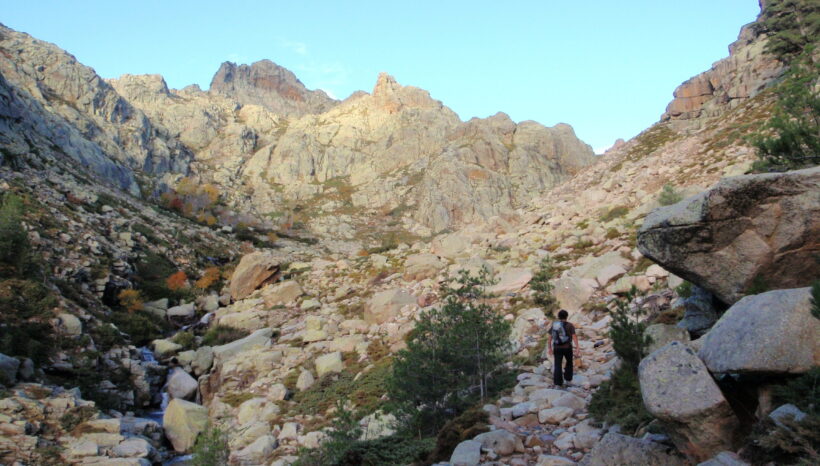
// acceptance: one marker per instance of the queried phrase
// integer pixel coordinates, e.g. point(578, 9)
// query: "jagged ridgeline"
point(261, 274)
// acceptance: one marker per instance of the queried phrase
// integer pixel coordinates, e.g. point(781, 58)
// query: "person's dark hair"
point(562, 314)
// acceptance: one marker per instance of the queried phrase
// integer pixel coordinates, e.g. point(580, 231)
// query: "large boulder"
point(678, 390)
point(511, 280)
point(181, 385)
point(743, 228)
point(768, 333)
point(661, 334)
point(572, 293)
point(699, 312)
point(254, 270)
point(386, 305)
point(500, 441)
point(258, 338)
point(183, 421)
point(621, 450)
point(8, 369)
point(281, 293)
point(450, 246)
point(467, 453)
point(421, 266)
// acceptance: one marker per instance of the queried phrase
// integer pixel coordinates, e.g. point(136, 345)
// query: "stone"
point(210, 303)
point(521, 409)
point(511, 280)
point(134, 447)
point(786, 411)
point(565, 441)
point(745, 227)
point(467, 453)
point(622, 450)
point(203, 360)
point(261, 337)
point(571, 293)
point(70, 324)
point(8, 370)
point(420, 266)
point(290, 431)
point(310, 304)
point(182, 385)
point(594, 266)
point(609, 273)
point(258, 452)
point(165, 348)
point(552, 460)
point(699, 313)
point(378, 425)
point(159, 307)
point(661, 334)
point(280, 294)
point(554, 415)
point(329, 363)
point(182, 422)
point(678, 390)
point(83, 448)
point(725, 458)
point(769, 333)
point(450, 246)
point(656, 271)
point(570, 401)
point(184, 311)
point(500, 441)
point(254, 270)
point(305, 381)
point(385, 305)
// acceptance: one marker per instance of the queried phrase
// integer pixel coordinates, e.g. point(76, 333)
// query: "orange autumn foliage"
point(131, 300)
point(177, 281)
point(209, 278)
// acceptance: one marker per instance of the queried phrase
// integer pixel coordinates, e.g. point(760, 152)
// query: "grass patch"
point(236, 399)
point(222, 334)
point(365, 393)
point(614, 213)
point(618, 401)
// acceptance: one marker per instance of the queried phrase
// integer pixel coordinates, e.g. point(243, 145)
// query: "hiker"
point(562, 337)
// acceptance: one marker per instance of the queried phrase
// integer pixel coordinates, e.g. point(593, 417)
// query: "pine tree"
point(450, 355)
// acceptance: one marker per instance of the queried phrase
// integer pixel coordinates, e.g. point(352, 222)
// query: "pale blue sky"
point(606, 67)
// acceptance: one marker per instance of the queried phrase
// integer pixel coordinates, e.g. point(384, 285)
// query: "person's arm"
point(575, 345)
point(549, 344)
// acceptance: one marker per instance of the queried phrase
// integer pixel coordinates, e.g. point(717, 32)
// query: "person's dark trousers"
point(559, 376)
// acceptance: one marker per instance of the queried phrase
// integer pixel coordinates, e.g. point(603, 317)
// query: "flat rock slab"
point(768, 333)
point(621, 450)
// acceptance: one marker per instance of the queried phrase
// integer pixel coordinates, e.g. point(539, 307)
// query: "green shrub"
point(615, 212)
point(612, 233)
point(365, 393)
point(791, 27)
point(222, 334)
point(795, 442)
point(345, 431)
point(106, 336)
point(815, 299)
point(619, 401)
point(25, 310)
point(684, 290)
point(669, 195)
point(151, 273)
point(237, 398)
point(211, 448)
point(392, 450)
point(628, 331)
point(467, 425)
point(791, 138)
point(186, 339)
point(14, 244)
point(802, 391)
point(542, 288)
point(450, 356)
point(140, 326)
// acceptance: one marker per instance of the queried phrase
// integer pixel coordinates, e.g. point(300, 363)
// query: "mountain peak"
point(270, 85)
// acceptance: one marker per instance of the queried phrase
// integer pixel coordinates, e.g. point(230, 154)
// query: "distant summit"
point(267, 84)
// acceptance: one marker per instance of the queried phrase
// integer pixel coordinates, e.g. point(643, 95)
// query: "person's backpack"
point(559, 334)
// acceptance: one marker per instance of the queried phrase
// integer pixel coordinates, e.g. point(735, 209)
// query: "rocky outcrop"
point(769, 333)
point(745, 73)
point(746, 228)
point(267, 84)
point(253, 271)
point(679, 391)
point(75, 95)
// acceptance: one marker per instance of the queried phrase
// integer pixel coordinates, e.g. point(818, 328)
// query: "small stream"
point(157, 415)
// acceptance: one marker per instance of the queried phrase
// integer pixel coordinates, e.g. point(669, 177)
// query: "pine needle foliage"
point(791, 138)
point(211, 447)
point(542, 288)
point(628, 330)
point(669, 195)
point(791, 26)
point(450, 356)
